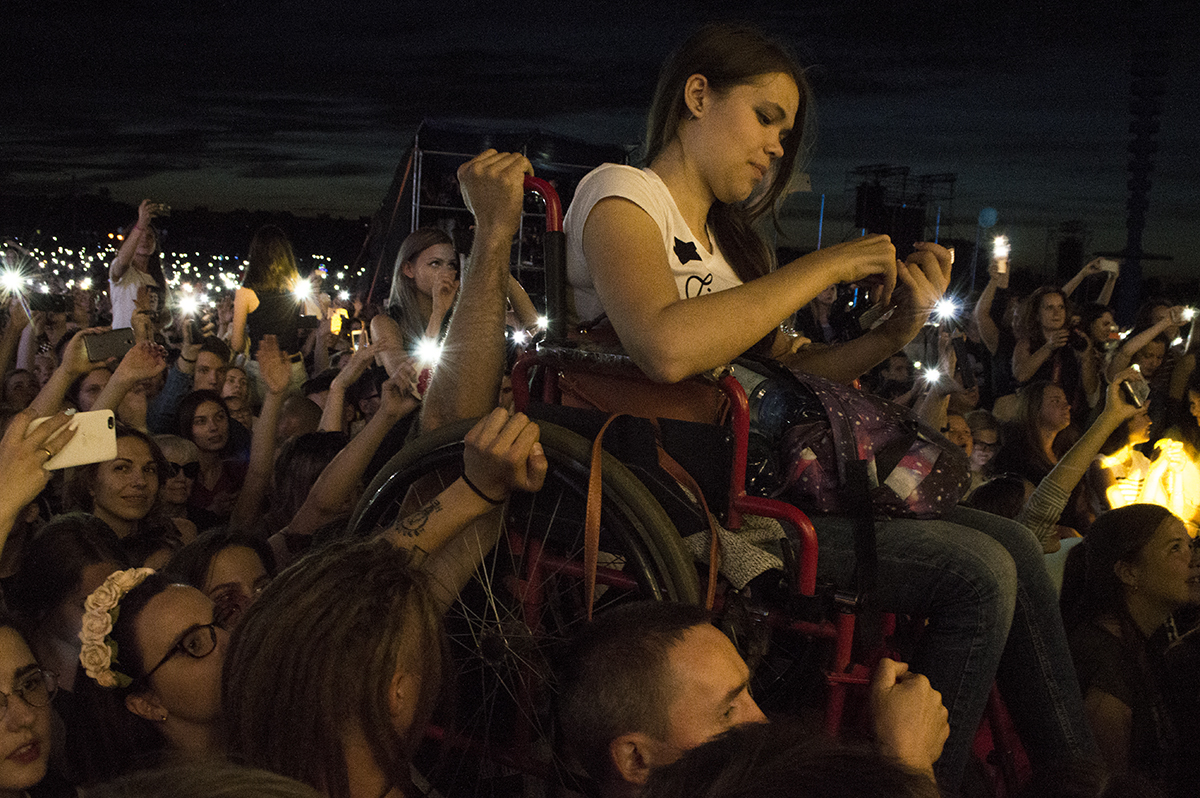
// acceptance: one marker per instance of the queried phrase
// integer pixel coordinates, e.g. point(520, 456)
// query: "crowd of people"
point(193, 600)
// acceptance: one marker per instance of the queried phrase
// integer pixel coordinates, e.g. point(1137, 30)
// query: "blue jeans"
point(992, 614)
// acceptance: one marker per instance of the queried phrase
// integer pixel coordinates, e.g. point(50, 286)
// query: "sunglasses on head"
point(190, 470)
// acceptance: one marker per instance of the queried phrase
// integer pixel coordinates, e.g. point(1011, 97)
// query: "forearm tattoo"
point(413, 525)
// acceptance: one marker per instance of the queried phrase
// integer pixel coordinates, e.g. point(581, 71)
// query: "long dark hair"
point(154, 263)
point(1023, 431)
point(190, 565)
point(53, 563)
point(187, 412)
point(317, 653)
point(1116, 536)
point(728, 56)
point(272, 263)
point(1029, 322)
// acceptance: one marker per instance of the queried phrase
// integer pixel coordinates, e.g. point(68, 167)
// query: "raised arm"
point(1134, 343)
point(672, 338)
point(276, 371)
point(467, 380)
point(74, 364)
point(934, 403)
point(1110, 283)
point(23, 453)
point(144, 361)
point(335, 401)
point(146, 211)
point(521, 304)
point(502, 454)
point(17, 323)
point(27, 340)
point(326, 501)
point(989, 333)
point(1042, 510)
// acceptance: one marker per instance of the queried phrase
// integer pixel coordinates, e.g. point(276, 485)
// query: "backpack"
point(829, 447)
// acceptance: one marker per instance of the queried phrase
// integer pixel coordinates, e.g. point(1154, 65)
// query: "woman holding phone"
point(137, 267)
point(670, 255)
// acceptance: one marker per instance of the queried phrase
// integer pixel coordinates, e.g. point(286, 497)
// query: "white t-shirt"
point(122, 293)
point(696, 271)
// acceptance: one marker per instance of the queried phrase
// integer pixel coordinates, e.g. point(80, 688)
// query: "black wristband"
point(480, 493)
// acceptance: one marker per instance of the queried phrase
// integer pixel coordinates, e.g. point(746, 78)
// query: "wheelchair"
point(531, 591)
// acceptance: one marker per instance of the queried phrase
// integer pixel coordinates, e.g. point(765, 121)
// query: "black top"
point(278, 314)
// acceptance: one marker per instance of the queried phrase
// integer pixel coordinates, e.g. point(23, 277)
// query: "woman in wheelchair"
point(669, 253)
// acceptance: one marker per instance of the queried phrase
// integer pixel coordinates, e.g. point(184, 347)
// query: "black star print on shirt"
point(686, 251)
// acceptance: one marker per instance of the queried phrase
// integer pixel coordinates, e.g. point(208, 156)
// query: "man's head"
point(211, 363)
point(644, 683)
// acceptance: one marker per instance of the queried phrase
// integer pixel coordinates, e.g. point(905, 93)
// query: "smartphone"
point(1108, 265)
point(95, 440)
point(48, 303)
point(358, 339)
point(114, 343)
point(337, 319)
point(306, 322)
point(1136, 391)
point(194, 331)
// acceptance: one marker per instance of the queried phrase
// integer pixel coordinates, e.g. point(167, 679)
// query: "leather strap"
point(591, 529)
point(591, 526)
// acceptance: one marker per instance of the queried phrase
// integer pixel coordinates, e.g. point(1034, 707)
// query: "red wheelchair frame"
point(556, 355)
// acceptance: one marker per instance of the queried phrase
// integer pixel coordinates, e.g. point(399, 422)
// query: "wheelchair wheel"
point(524, 599)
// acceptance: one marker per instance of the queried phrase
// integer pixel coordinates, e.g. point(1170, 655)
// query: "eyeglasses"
point(35, 688)
point(197, 642)
point(190, 470)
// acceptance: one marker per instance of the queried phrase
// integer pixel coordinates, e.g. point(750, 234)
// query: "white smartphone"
point(95, 440)
point(1108, 265)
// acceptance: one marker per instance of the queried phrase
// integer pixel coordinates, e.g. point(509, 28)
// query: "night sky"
point(308, 106)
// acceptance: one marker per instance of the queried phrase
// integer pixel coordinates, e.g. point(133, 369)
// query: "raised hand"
point(1000, 278)
point(357, 365)
point(1116, 404)
point(273, 364)
point(502, 454)
point(396, 397)
point(23, 453)
point(143, 361)
point(150, 209)
point(493, 187)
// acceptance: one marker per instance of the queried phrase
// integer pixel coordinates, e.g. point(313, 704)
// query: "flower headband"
point(99, 651)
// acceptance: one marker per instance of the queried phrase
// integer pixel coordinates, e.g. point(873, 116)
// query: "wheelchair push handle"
point(554, 213)
point(555, 258)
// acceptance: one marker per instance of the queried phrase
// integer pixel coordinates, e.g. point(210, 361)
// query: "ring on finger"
point(49, 453)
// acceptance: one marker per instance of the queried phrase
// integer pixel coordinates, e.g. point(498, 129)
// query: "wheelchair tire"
point(526, 598)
